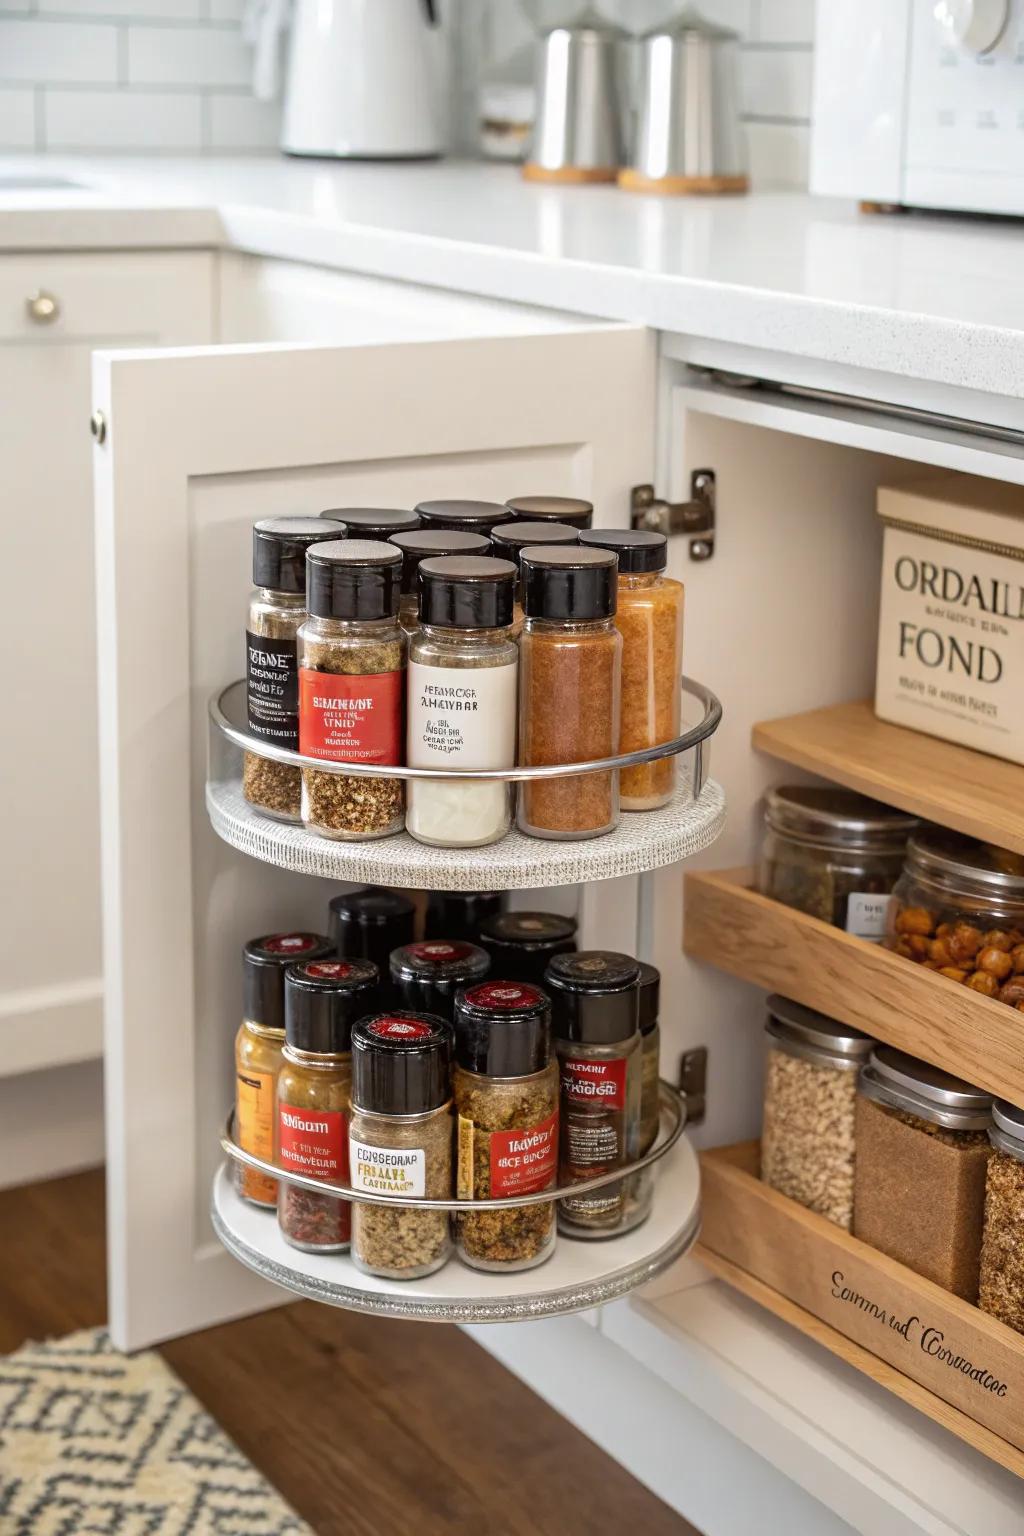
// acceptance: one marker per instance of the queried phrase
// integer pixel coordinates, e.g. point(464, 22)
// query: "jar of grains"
point(426, 976)
point(958, 908)
point(505, 1084)
point(510, 539)
point(460, 914)
point(919, 1175)
point(352, 688)
point(277, 609)
point(570, 676)
point(833, 854)
point(400, 1142)
point(556, 509)
point(521, 944)
point(650, 621)
point(368, 925)
point(373, 522)
point(258, 1051)
point(810, 1096)
point(595, 1021)
point(1001, 1288)
point(466, 516)
point(429, 544)
point(463, 669)
point(322, 999)
point(650, 1056)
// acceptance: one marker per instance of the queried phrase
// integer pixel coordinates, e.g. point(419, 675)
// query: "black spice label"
point(272, 689)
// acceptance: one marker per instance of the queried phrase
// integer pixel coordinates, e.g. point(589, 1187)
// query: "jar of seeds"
point(650, 1056)
point(400, 1142)
point(352, 688)
point(1001, 1288)
point(429, 544)
point(810, 1095)
point(426, 976)
point(521, 944)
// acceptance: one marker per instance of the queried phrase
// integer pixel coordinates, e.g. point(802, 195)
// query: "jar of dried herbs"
point(569, 690)
point(426, 976)
point(467, 516)
point(368, 925)
point(277, 609)
point(1001, 1288)
point(521, 944)
point(429, 544)
point(400, 1142)
point(463, 669)
point(595, 998)
point(919, 1175)
point(510, 539)
point(556, 509)
point(352, 688)
point(505, 1084)
point(258, 1046)
point(833, 854)
point(373, 522)
point(461, 914)
point(650, 1055)
point(808, 1142)
point(322, 999)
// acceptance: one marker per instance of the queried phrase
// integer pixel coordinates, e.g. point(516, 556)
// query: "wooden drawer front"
point(109, 294)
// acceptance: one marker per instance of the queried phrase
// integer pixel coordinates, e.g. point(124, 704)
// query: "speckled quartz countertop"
point(939, 299)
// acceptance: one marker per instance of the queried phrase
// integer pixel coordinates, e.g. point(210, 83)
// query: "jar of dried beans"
point(460, 914)
point(510, 539)
point(466, 516)
point(569, 690)
point(650, 1056)
point(277, 609)
point(400, 1142)
point(506, 1103)
point(919, 1176)
point(429, 544)
point(426, 976)
point(322, 998)
point(369, 924)
point(810, 1095)
point(1001, 1288)
point(352, 688)
point(557, 509)
point(521, 944)
point(258, 1047)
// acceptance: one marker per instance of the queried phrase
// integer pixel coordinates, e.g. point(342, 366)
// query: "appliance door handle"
point(430, 10)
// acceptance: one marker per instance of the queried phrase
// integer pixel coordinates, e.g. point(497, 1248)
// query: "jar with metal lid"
point(420, 544)
point(958, 908)
point(919, 1176)
point(369, 924)
point(521, 944)
point(1001, 1287)
point(469, 516)
point(833, 854)
point(808, 1142)
point(426, 976)
point(556, 509)
point(461, 914)
point(650, 1055)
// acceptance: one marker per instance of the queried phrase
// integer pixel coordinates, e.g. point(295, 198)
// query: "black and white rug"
point(96, 1443)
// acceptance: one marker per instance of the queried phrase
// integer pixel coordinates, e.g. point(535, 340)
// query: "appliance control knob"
point(974, 25)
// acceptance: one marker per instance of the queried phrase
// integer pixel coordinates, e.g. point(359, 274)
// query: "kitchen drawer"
point(98, 294)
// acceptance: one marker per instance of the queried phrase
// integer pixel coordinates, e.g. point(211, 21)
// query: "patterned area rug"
point(96, 1443)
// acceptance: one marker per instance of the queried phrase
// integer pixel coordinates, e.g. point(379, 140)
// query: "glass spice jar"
point(258, 1045)
point(352, 688)
point(463, 669)
point(569, 690)
point(322, 998)
point(1001, 1284)
point(595, 1021)
point(557, 509)
point(650, 1056)
point(373, 522)
point(808, 1142)
point(429, 544)
point(467, 516)
point(649, 617)
point(919, 1174)
point(460, 914)
point(400, 1142)
point(505, 1084)
point(426, 976)
point(277, 609)
point(833, 854)
point(521, 944)
point(369, 924)
point(510, 539)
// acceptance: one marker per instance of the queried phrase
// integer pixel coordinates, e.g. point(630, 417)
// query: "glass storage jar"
point(521, 944)
point(650, 1055)
point(426, 976)
point(1001, 1287)
point(556, 509)
point(919, 1176)
point(428, 544)
point(833, 854)
point(808, 1140)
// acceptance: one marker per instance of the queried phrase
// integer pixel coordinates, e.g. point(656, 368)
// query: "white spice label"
point(866, 915)
point(462, 717)
point(387, 1170)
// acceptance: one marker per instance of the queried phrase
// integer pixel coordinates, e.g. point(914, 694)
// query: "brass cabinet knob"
point(43, 307)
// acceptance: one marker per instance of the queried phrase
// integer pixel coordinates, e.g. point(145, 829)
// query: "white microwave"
point(920, 103)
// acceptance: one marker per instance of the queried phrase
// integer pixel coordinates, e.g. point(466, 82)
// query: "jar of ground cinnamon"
point(569, 690)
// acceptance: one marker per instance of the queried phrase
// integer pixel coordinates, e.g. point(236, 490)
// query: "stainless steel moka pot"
point(580, 129)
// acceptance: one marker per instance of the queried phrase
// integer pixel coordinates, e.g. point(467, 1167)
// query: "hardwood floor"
point(368, 1427)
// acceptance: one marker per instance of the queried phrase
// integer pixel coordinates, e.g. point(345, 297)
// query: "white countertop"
point(924, 297)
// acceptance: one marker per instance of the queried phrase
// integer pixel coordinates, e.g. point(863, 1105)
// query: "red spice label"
point(333, 970)
point(314, 1142)
point(525, 1161)
point(290, 943)
point(396, 1027)
point(440, 950)
point(504, 994)
point(352, 719)
point(595, 1082)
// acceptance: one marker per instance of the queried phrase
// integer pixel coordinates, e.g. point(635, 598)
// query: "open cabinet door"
point(199, 443)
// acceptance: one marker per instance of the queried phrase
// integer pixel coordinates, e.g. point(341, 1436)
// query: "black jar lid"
point(279, 547)
point(372, 915)
point(512, 538)
point(401, 1063)
point(323, 999)
point(594, 996)
point(638, 549)
point(467, 592)
point(373, 522)
point(650, 996)
point(264, 962)
point(520, 944)
point(559, 509)
point(471, 516)
point(427, 975)
point(461, 914)
point(503, 1029)
point(353, 579)
point(571, 584)
point(429, 543)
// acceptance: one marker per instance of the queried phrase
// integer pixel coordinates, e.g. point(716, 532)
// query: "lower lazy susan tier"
point(578, 1275)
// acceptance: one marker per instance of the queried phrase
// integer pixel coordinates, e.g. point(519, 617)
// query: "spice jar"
point(595, 1008)
point(277, 609)
point(373, 522)
point(569, 682)
point(833, 854)
point(1001, 1287)
point(369, 924)
point(351, 688)
point(649, 617)
point(810, 1095)
point(958, 908)
point(400, 1142)
point(650, 1055)
point(521, 944)
point(557, 509)
point(258, 1051)
point(510, 539)
point(468, 516)
point(322, 999)
point(429, 544)
point(426, 976)
point(460, 914)
point(505, 1084)
point(919, 1176)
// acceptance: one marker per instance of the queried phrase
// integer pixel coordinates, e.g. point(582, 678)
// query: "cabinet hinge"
point(693, 1079)
point(695, 517)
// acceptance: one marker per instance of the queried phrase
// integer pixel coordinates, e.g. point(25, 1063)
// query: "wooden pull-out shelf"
point(875, 1314)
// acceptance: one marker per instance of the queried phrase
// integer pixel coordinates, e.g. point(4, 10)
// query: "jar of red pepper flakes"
point(323, 999)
